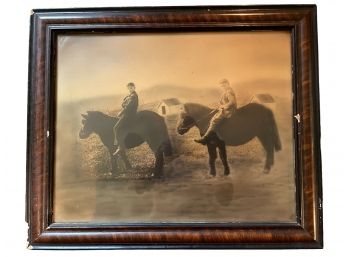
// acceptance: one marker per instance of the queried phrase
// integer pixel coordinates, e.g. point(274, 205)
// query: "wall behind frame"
point(14, 66)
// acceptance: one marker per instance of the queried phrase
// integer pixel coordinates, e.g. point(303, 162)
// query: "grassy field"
point(86, 190)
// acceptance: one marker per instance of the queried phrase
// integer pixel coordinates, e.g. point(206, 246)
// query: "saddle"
point(133, 130)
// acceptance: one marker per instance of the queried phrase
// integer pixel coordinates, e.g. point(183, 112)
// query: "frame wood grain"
point(307, 232)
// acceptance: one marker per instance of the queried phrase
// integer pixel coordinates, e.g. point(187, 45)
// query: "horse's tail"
point(167, 145)
point(274, 127)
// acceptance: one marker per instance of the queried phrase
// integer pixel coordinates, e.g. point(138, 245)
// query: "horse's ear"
point(184, 109)
point(181, 114)
point(84, 116)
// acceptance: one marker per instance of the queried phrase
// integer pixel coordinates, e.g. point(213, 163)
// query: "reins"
point(205, 116)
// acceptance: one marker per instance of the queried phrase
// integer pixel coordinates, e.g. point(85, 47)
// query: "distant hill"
point(184, 94)
point(275, 87)
point(150, 97)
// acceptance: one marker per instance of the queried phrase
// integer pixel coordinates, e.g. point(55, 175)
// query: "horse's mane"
point(194, 108)
point(100, 119)
point(98, 115)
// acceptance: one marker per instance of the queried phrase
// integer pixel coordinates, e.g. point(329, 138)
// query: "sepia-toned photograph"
point(184, 127)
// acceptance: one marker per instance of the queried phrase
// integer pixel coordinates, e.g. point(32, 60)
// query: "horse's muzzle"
point(181, 131)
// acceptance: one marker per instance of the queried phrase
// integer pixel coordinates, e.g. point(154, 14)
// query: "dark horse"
point(249, 121)
point(147, 126)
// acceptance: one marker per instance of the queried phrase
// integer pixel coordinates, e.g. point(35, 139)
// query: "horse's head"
point(185, 122)
point(193, 114)
point(87, 128)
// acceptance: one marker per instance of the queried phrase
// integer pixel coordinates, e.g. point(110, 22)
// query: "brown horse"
point(249, 121)
point(147, 127)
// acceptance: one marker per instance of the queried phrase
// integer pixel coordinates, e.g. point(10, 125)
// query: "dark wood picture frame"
point(300, 20)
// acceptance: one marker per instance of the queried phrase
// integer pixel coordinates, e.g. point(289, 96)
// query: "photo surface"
point(174, 128)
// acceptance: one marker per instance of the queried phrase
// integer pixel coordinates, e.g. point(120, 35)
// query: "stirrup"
point(117, 151)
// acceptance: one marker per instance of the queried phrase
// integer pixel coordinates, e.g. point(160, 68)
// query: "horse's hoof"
point(266, 170)
point(227, 172)
point(156, 175)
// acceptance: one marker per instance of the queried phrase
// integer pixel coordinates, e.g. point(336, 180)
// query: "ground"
point(86, 191)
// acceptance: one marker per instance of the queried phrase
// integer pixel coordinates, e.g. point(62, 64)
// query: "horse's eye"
point(187, 120)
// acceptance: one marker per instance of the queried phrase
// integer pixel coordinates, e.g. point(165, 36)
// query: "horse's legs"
point(268, 145)
point(114, 166)
point(223, 157)
point(212, 158)
point(125, 159)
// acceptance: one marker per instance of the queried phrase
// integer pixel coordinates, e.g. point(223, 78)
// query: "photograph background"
point(333, 93)
point(92, 75)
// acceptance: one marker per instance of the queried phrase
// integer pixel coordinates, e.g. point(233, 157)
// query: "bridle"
point(205, 116)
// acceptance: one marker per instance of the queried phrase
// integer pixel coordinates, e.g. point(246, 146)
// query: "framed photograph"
point(174, 127)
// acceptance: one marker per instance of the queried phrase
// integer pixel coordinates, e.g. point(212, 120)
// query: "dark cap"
point(224, 81)
point(130, 84)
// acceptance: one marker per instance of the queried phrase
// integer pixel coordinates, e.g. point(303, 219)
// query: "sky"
point(91, 66)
